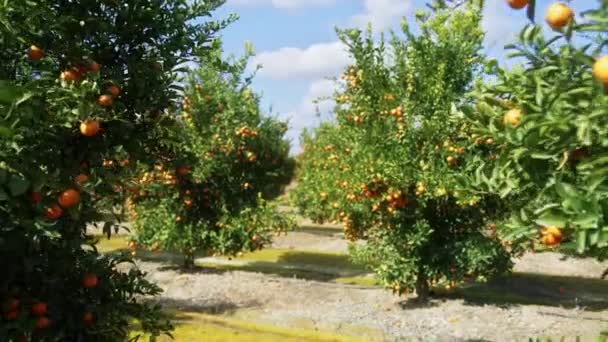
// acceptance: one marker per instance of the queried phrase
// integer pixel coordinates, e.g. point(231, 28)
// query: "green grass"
point(190, 326)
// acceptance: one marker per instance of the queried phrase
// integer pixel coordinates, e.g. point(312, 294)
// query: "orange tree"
point(80, 85)
point(548, 120)
point(390, 167)
point(209, 195)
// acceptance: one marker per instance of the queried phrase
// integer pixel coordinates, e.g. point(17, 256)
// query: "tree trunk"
point(422, 288)
point(189, 260)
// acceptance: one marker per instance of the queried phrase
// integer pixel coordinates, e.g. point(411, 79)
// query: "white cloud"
point(313, 62)
point(305, 115)
point(382, 13)
point(283, 4)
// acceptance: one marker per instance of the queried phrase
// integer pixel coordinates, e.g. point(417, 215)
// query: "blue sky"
point(296, 45)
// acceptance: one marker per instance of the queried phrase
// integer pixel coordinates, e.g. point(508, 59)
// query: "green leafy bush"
point(226, 160)
point(81, 85)
point(392, 167)
point(547, 117)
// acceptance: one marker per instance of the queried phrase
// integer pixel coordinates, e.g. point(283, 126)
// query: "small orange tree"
point(209, 195)
point(80, 85)
point(548, 120)
point(391, 166)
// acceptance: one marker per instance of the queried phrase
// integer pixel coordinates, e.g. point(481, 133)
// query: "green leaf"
point(586, 220)
point(551, 218)
point(581, 240)
point(18, 185)
point(8, 92)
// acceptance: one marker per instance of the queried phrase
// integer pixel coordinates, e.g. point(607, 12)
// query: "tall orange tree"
point(83, 88)
point(391, 167)
point(548, 120)
point(209, 194)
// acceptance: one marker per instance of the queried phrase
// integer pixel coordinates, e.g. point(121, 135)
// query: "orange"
point(35, 53)
point(489, 141)
point(451, 160)
point(600, 69)
point(11, 315)
point(69, 198)
point(87, 319)
point(183, 170)
point(559, 15)
point(114, 90)
point(38, 309)
point(69, 75)
point(89, 281)
point(42, 323)
point(35, 197)
point(11, 304)
point(89, 127)
point(105, 100)
point(81, 178)
point(94, 67)
point(512, 117)
point(53, 212)
point(551, 236)
point(518, 4)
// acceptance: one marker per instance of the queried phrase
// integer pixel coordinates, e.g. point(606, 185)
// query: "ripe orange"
point(69, 198)
point(105, 100)
point(35, 197)
point(80, 69)
point(489, 141)
point(89, 127)
point(53, 212)
point(183, 170)
point(87, 319)
point(518, 4)
point(188, 203)
point(42, 323)
point(600, 69)
point(550, 240)
point(35, 53)
point(69, 75)
point(81, 178)
point(512, 117)
point(114, 90)
point(579, 153)
point(132, 245)
point(38, 309)
point(451, 160)
point(89, 281)
point(551, 236)
point(559, 15)
point(94, 67)
point(11, 304)
point(11, 315)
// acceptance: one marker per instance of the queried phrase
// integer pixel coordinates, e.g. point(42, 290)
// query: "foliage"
point(391, 167)
point(554, 156)
point(81, 86)
point(226, 161)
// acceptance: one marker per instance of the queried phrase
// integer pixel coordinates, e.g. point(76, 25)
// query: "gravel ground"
point(379, 315)
point(347, 309)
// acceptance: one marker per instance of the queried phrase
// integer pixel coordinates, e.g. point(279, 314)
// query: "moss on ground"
point(190, 326)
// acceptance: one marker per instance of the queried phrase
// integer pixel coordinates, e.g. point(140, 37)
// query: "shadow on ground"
point(320, 230)
point(212, 307)
point(297, 264)
point(586, 294)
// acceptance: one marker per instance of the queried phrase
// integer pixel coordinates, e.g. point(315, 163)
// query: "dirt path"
point(547, 296)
